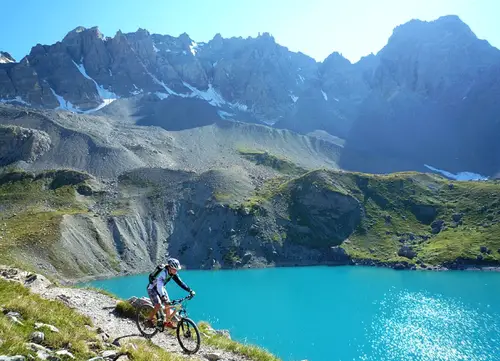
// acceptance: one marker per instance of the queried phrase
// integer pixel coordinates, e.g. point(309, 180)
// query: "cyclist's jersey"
point(162, 279)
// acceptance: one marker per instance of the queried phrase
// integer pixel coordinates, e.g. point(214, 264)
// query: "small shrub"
point(125, 309)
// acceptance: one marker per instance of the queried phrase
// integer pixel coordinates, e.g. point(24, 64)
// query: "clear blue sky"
point(316, 27)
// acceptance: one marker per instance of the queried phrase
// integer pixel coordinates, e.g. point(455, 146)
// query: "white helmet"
point(174, 263)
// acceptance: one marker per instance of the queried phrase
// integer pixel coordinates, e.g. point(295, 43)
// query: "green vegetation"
point(125, 309)
point(32, 207)
point(147, 351)
point(274, 187)
point(381, 213)
point(222, 197)
point(219, 341)
point(231, 257)
point(73, 335)
point(265, 158)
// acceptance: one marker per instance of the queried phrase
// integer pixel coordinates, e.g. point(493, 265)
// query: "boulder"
point(15, 317)
point(437, 226)
point(339, 254)
point(14, 314)
point(213, 356)
point(457, 217)
point(13, 358)
point(39, 325)
point(407, 252)
point(37, 337)
point(246, 258)
point(224, 333)
point(137, 302)
point(109, 354)
point(400, 266)
point(65, 353)
point(22, 144)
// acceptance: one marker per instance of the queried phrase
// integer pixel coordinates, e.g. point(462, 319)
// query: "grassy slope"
point(73, 335)
point(14, 297)
point(32, 209)
point(265, 158)
point(393, 213)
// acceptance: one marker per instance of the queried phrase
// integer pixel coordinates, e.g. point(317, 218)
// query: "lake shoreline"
point(355, 263)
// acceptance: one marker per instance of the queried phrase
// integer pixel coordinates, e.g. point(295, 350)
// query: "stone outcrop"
point(22, 144)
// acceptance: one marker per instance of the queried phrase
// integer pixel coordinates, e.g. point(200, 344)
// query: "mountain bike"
point(187, 332)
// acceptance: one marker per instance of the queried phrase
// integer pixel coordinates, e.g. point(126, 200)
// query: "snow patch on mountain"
point(107, 97)
point(193, 47)
point(461, 176)
point(161, 95)
point(210, 95)
point(17, 99)
point(64, 104)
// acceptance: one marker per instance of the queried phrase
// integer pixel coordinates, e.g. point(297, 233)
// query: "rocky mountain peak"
point(6, 58)
point(74, 33)
point(185, 39)
point(445, 30)
point(336, 60)
point(143, 32)
point(433, 100)
point(265, 36)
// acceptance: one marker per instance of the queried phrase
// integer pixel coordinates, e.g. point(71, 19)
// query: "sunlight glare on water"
point(415, 326)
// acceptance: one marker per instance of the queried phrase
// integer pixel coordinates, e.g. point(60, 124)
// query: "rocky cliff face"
point(252, 79)
point(77, 226)
point(433, 101)
point(428, 97)
point(331, 98)
point(87, 70)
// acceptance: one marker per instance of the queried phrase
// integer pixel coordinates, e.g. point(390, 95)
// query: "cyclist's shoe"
point(169, 324)
point(159, 324)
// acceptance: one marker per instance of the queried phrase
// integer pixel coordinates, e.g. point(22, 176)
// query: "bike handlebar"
point(176, 302)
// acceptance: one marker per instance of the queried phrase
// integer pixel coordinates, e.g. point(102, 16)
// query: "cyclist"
point(157, 293)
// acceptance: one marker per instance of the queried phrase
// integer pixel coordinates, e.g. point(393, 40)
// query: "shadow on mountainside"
point(176, 113)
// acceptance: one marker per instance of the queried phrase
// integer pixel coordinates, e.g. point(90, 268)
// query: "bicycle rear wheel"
point(147, 328)
point(188, 335)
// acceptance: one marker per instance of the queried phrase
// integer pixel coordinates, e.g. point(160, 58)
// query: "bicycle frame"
point(177, 306)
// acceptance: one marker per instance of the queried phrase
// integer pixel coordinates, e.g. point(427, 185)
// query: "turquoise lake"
point(346, 313)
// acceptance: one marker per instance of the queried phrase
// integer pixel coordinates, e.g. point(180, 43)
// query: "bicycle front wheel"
point(188, 336)
point(147, 328)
